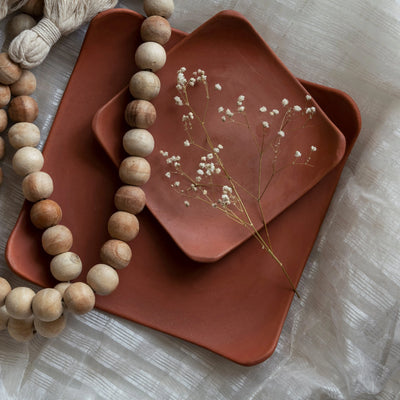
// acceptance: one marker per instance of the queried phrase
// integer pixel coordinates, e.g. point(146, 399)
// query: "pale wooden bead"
point(116, 253)
point(2, 148)
point(66, 266)
point(56, 240)
point(50, 329)
point(47, 305)
point(23, 109)
point(3, 120)
point(103, 279)
point(164, 8)
point(155, 29)
point(45, 213)
point(20, 23)
point(24, 134)
point(10, 72)
point(4, 317)
point(25, 85)
point(62, 287)
point(19, 302)
point(135, 171)
point(33, 7)
point(123, 226)
point(37, 186)
point(79, 298)
point(27, 160)
point(144, 85)
point(151, 56)
point(140, 114)
point(21, 330)
point(138, 142)
point(5, 95)
point(5, 289)
point(131, 199)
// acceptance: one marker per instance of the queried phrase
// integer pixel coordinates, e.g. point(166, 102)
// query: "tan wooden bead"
point(19, 302)
point(5, 95)
point(2, 148)
point(155, 29)
point(151, 56)
point(103, 279)
point(131, 199)
point(47, 305)
point(56, 240)
point(144, 85)
point(79, 298)
point(45, 213)
point(25, 85)
point(4, 317)
point(5, 289)
point(3, 120)
point(27, 160)
point(9, 71)
point(123, 226)
point(21, 330)
point(140, 114)
point(33, 7)
point(116, 253)
point(50, 329)
point(138, 142)
point(20, 23)
point(24, 134)
point(164, 8)
point(62, 287)
point(37, 186)
point(135, 171)
point(66, 266)
point(23, 109)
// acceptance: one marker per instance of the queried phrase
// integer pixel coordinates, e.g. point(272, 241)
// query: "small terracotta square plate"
point(235, 307)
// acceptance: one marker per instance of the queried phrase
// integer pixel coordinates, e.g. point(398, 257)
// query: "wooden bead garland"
point(24, 311)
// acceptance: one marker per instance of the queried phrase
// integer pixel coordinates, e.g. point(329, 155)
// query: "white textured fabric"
point(342, 339)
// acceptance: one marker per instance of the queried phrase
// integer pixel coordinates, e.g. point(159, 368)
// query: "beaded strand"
point(22, 311)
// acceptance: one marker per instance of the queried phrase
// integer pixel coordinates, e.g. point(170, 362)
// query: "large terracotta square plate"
point(233, 55)
point(235, 307)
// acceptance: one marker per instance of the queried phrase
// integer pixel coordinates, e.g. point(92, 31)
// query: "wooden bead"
point(27, 160)
point(151, 56)
point(21, 330)
point(138, 142)
point(116, 253)
point(131, 199)
point(4, 317)
point(5, 95)
point(25, 85)
point(62, 287)
point(164, 8)
point(23, 109)
point(19, 302)
point(79, 298)
point(20, 23)
point(66, 266)
point(5, 289)
point(144, 85)
point(24, 134)
point(33, 7)
point(45, 213)
point(37, 186)
point(56, 240)
point(123, 226)
point(50, 329)
point(9, 71)
point(140, 114)
point(3, 120)
point(47, 305)
point(2, 148)
point(135, 171)
point(155, 29)
point(103, 279)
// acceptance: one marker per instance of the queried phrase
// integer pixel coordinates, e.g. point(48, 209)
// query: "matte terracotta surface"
point(236, 306)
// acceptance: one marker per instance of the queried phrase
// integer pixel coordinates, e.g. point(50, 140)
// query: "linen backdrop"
point(342, 339)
